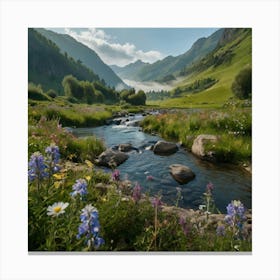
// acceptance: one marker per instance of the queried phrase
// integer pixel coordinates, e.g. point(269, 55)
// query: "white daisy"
point(57, 208)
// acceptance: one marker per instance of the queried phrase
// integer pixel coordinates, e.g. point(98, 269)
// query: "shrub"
point(35, 92)
point(51, 93)
point(242, 85)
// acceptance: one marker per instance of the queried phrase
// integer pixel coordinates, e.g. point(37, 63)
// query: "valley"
point(106, 124)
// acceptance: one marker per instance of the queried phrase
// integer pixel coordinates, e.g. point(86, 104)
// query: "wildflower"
point(53, 152)
point(90, 226)
point(150, 178)
point(136, 195)
point(53, 155)
point(57, 208)
point(37, 167)
point(235, 217)
point(236, 208)
point(116, 175)
point(156, 201)
point(79, 188)
point(220, 231)
point(182, 222)
point(209, 187)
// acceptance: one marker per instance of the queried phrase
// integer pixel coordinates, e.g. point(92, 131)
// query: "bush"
point(72, 87)
point(242, 85)
point(51, 93)
point(35, 92)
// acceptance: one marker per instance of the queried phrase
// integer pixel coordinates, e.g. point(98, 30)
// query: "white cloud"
point(147, 86)
point(110, 52)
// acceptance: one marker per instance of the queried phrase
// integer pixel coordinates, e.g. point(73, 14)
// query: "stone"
point(165, 148)
point(111, 158)
point(181, 173)
point(125, 148)
point(198, 147)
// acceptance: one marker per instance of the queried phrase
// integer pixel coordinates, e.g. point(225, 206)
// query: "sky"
point(121, 46)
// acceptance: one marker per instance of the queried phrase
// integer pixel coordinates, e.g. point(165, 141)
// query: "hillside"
point(129, 71)
point(170, 65)
point(86, 55)
point(232, 54)
point(47, 66)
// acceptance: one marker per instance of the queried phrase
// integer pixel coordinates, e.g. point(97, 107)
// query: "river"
point(230, 182)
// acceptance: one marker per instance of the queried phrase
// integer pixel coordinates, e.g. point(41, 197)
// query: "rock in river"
point(181, 173)
point(165, 148)
point(198, 146)
point(125, 147)
point(111, 158)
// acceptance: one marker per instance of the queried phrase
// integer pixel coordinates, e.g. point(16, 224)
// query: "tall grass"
point(74, 115)
point(233, 128)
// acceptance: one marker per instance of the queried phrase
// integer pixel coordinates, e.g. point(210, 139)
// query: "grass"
point(219, 93)
point(44, 132)
point(233, 126)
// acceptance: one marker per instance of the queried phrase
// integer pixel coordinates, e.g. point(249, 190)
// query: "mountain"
point(171, 64)
point(208, 81)
point(129, 71)
point(84, 54)
point(47, 66)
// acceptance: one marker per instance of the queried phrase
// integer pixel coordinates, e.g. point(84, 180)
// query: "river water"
point(230, 182)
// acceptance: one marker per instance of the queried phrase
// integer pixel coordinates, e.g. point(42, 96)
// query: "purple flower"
point(220, 231)
point(116, 175)
point(37, 167)
point(156, 201)
point(209, 187)
point(136, 195)
point(182, 222)
point(150, 178)
point(90, 226)
point(79, 188)
point(236, 208)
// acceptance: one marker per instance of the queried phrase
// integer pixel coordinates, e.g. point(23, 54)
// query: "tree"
point(72, 87)
point(242, 85)
point(137, 99)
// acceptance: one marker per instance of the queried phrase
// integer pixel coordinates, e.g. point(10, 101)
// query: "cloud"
point(111, 52)
point(147, 86)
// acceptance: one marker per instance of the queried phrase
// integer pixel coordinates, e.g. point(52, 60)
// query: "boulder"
point(165, 148)
point(111, 158)
point(198, 148)
point(181, 173)
point(116, 121)
point(125, 148)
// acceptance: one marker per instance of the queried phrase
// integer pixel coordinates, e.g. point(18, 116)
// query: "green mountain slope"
point(47, 66)
point(160, 69)
point(88, 57)
point(233, 53)
point(129, 71)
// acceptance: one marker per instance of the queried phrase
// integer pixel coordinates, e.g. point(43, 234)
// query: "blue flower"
point(53, 152)
point(37, 167)
point(90, 226)
point(53, 156)
point(80, 188)
point(235, 217)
